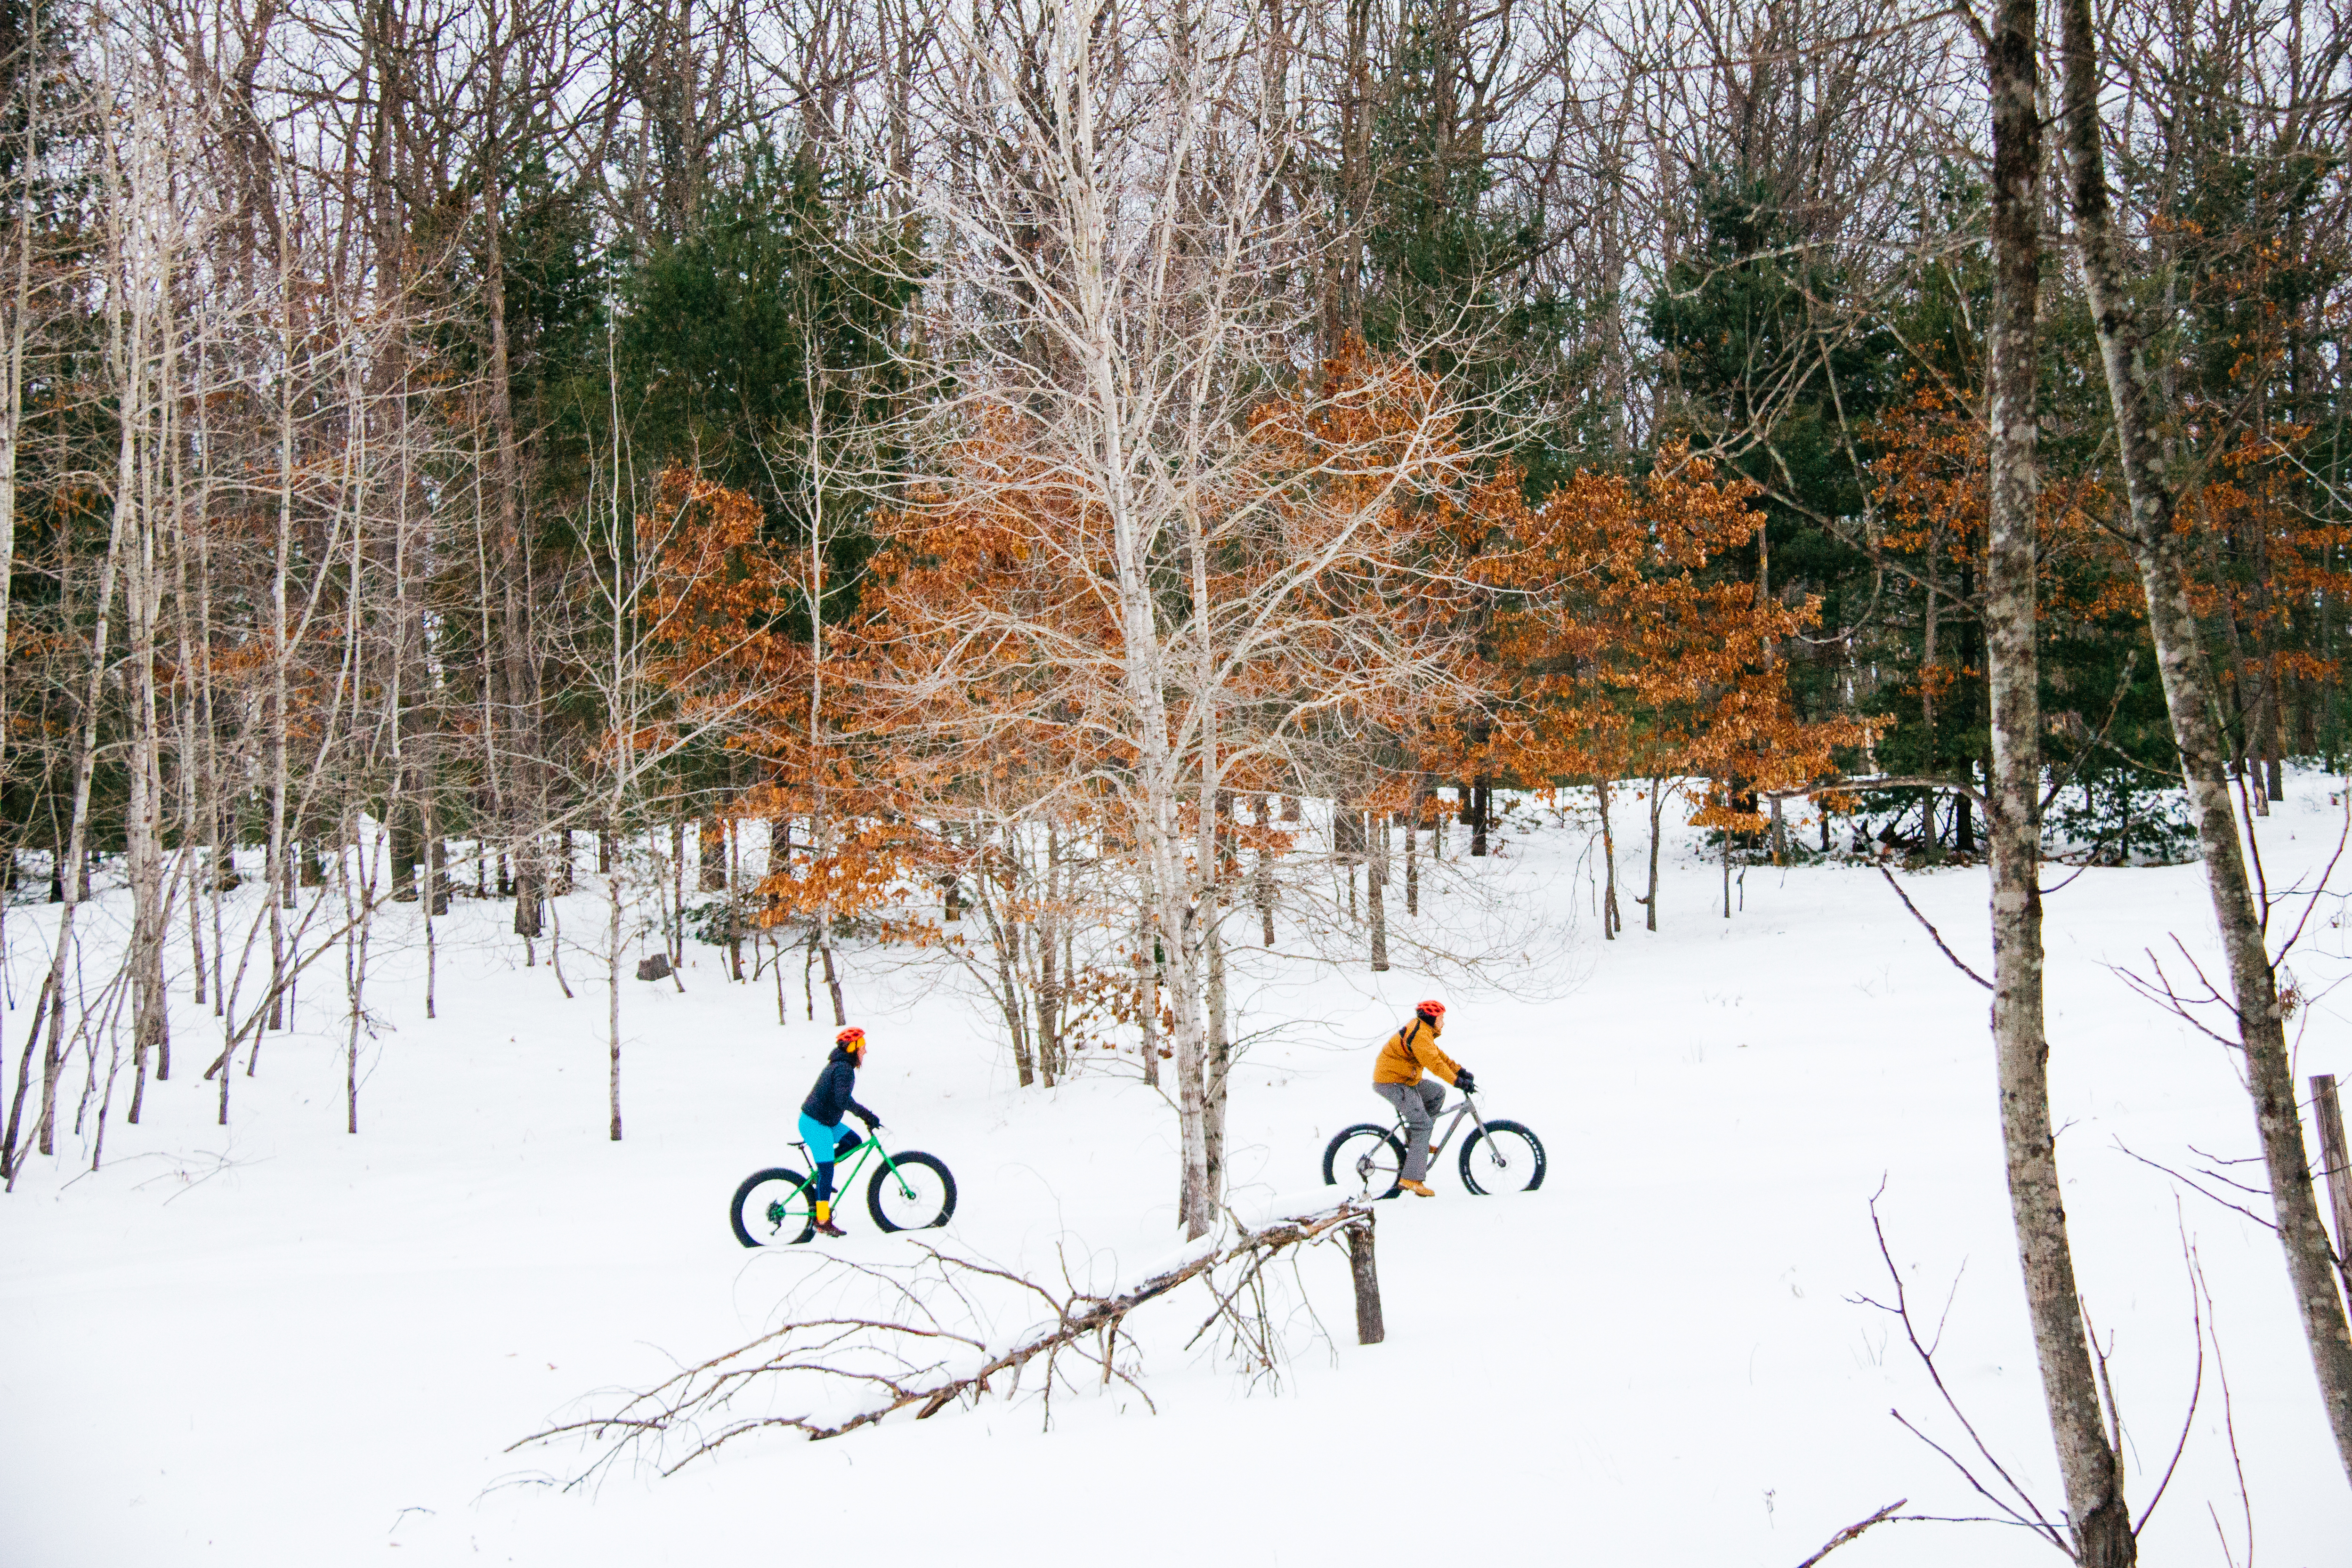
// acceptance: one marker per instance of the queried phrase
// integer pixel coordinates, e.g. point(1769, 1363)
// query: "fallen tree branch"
point(1867, 782)
point(909, 1356)
point(1851, 1530)
point(1934, 935)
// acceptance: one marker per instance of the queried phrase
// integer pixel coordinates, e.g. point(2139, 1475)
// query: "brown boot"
point(824, 1226)
point(1416, 1189)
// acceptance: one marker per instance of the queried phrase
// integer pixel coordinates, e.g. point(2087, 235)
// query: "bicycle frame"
point(1438, 1141)
point(857, 1156)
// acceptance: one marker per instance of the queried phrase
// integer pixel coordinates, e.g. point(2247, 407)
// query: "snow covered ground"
point(277, 1344)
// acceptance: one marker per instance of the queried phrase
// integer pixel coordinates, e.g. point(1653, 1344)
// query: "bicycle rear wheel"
point(1502, 1157)
point(771, 1208)
point(1364, 1159)
point(922, 1195)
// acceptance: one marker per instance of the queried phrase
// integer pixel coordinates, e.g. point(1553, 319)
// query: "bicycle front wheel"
point(1502, 1157)
point(913, 1191)
point(1366, 1160)
point(771, 1208)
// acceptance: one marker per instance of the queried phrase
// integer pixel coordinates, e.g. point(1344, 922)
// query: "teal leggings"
point(823, 1144)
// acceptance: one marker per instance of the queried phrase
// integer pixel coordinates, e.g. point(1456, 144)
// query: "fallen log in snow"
point(858, 1368)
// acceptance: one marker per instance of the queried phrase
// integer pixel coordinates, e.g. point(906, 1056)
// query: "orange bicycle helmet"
point(1433, 1011)
point(853, 1037)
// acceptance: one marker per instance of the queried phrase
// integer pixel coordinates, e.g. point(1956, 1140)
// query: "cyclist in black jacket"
point(821, 1128)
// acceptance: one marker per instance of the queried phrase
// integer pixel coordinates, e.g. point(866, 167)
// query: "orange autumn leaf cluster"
point(1618, 646)
point(1930, 483)
point(2267, 559)
point(995, 626)
point(713, 603)
point(1354, 574)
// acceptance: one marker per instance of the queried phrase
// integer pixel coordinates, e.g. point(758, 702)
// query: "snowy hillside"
point(277, 1344)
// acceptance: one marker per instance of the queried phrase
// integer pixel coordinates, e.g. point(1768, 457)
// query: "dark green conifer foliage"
point(1449, 266)
point(792, 284)
point(781, 311)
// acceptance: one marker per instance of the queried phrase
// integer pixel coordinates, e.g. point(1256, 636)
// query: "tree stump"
point(2335, 1162)
point(1370, 1330)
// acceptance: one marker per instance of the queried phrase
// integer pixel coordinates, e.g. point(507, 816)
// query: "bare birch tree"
point(2090, 1467)
point(2191, 699)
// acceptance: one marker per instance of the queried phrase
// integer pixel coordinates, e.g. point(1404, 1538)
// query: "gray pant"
point(1418, 1103)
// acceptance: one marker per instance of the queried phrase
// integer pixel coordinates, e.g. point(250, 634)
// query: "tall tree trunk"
point(1043, 927)
point(1412, 852)
point(2189, 697)
point(72, 885)
point(1657, 805)
point(358, 917)
point(1147, 1006)
point(276, 881)
point(710, 854)
point(1727, 851)
point(1611, 920)
point(142, 814)
point(820, 827)
point(1005, 941)
point(734, 897)
point(516, 727)
point(1262, 873)
point(1217, 1063)
point(12, 398)
point(612, 949)
point(528, 895)
point(2088, 1465)
point(194, 773)
point(408, 849)
point(435, 903)
point(677, 894)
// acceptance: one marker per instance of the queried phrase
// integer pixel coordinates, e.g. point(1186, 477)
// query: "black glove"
point(873, 1123)
point(1464, 1081)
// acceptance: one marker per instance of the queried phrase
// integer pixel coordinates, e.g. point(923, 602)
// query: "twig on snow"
point(2024, 1513)
point(2164, 993)
point(1851, 1530)
point(2196, 1187)
point(1934, 935)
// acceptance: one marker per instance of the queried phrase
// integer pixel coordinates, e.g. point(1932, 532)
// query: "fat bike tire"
point(1502, 1157)
point(932, 1204)
point(772, 1208)
point(1366, 1158)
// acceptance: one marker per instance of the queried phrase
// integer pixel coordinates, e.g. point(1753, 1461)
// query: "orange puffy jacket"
point(1409, 1051)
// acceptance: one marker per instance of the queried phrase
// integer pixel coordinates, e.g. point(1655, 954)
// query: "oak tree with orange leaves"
point(1617, 648)
point(1032, 664)
point(681, 641)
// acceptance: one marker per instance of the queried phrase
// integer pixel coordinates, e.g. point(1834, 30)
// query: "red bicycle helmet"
point(1433, 1011)
point(853, 1037)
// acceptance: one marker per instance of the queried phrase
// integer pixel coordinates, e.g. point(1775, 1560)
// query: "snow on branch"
point(926, 1344)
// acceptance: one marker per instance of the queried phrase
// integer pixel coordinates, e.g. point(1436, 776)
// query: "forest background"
point(1051, 482)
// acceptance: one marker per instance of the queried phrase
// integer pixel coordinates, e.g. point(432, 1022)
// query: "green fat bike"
point(910, 1191)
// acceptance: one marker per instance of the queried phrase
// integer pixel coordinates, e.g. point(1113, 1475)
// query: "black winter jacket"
point(832, 1093)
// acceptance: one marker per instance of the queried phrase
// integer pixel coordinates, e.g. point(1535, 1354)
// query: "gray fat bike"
point(1497, 1156)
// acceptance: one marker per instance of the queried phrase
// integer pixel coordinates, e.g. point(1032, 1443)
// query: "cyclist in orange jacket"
point(1396, 1078)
